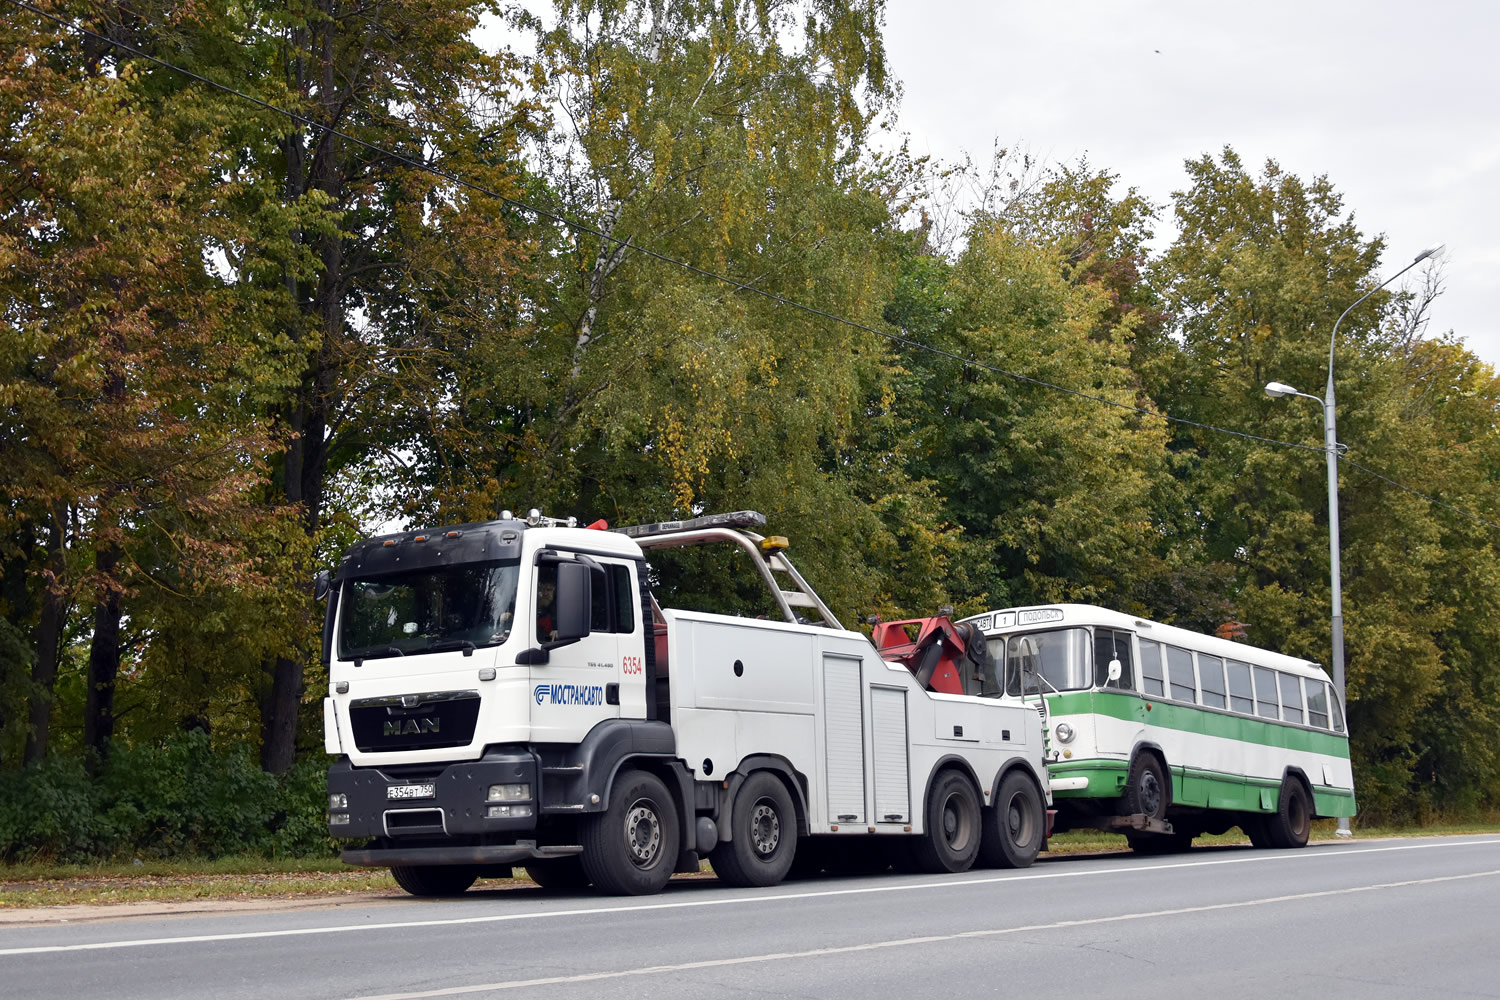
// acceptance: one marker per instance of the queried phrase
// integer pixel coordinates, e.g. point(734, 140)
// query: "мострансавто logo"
point(569, 694)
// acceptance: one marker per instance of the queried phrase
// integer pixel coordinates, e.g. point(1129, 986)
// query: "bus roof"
point(1031, 617)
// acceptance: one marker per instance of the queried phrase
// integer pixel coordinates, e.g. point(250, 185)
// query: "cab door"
point(581, 683)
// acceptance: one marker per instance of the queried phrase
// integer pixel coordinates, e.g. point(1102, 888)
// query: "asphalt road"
point(1373, 919)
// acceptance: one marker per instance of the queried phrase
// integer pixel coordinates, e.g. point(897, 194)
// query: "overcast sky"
point(1395, 102)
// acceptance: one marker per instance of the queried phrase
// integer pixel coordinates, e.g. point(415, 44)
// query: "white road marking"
point(769, 897)
point(652, 970)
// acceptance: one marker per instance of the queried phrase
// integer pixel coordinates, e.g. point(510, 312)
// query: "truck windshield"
point(429, 610)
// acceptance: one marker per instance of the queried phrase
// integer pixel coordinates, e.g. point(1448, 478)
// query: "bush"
point(177, 798)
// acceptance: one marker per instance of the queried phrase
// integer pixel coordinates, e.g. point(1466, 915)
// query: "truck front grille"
point(414, 722)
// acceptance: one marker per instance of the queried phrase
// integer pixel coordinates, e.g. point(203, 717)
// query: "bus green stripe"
point(1196, 719)
point(1198, 787)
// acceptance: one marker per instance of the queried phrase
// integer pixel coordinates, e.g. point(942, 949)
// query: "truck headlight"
point(520, 792)
point(508, 812)
point(1064, 733)
point(338, 819)
point(338, 800)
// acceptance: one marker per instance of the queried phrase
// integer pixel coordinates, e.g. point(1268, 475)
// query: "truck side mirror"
point(320, 585)
point(574, 601)
point(1114, 671)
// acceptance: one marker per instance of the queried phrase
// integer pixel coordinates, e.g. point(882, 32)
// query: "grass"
point(240, 878)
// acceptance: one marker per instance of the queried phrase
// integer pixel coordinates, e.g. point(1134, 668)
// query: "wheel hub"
point(643, 834)
point(1150, 794)
point(950, 822)
point(765, 828)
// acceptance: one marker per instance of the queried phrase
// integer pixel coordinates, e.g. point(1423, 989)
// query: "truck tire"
point(951, 842)
point(558, 873)
point(1146, 791)
point(1291, 823)
point(1014, 826)
point(630, 848)
point(435, 880)
point(762, 840)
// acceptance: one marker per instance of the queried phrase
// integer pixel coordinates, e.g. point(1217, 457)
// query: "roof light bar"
point(737, 519)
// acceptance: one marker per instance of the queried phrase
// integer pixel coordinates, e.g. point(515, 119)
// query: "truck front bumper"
point(491, 854)
point(401, 801)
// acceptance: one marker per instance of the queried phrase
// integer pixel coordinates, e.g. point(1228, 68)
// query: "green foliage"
point(179, 797)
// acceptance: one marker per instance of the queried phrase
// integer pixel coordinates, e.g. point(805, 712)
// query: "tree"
point(124, 381)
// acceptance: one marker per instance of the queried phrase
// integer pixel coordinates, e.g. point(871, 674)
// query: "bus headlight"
point(1064, 733)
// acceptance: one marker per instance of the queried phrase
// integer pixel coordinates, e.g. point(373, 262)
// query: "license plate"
point(422, 791)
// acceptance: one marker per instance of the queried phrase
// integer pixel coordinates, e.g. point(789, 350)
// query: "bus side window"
point(1317, 703)
point(1180, 667)
point(1211, 676)
point(1265, 693)
point(1151, 672)
point(1241, 697)
point(1338, 712)
point(1291, 698)
point(1112, 645)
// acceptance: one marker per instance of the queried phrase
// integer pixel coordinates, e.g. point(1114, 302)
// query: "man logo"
point(411, 727)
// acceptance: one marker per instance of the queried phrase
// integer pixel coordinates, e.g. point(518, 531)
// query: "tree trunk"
point(48, 641)
point(104, 654)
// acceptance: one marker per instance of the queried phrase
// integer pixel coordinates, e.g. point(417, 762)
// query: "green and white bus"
point(1168, 734)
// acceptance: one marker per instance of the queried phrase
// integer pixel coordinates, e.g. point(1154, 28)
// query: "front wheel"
point(1146, 791)
point(1013, 827)
point(435, 880)
point(1291, 823)
point(630, 848)
point(951, 842)
point(762, 840)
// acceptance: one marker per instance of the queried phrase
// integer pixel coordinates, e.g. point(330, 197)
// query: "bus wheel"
point(631, 847)
point(558, 873)
point(1014, 827)
point(1146, 791)
point(762, 843)
point(434, 880)
point(1290, 825)
point(951, 842)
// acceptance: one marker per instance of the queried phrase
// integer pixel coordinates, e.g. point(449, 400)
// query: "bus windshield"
point(428, 610)
point(1060, 657)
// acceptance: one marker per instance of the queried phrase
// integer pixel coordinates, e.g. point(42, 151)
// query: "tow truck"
point(510, 693)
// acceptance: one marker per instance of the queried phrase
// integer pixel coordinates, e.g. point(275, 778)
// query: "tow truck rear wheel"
point(435, 880)
point(951, 842)
point(1015, 826)
point(558, 873)
point(630, 848)
point(762, 840)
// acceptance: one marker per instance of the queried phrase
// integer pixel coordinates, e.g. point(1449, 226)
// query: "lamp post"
point(1330, 446)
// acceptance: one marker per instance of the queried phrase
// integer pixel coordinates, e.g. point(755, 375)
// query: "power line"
point(1407, 489)
point(902, 339)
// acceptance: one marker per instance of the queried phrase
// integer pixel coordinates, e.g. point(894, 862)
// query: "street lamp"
point(1330, 446)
